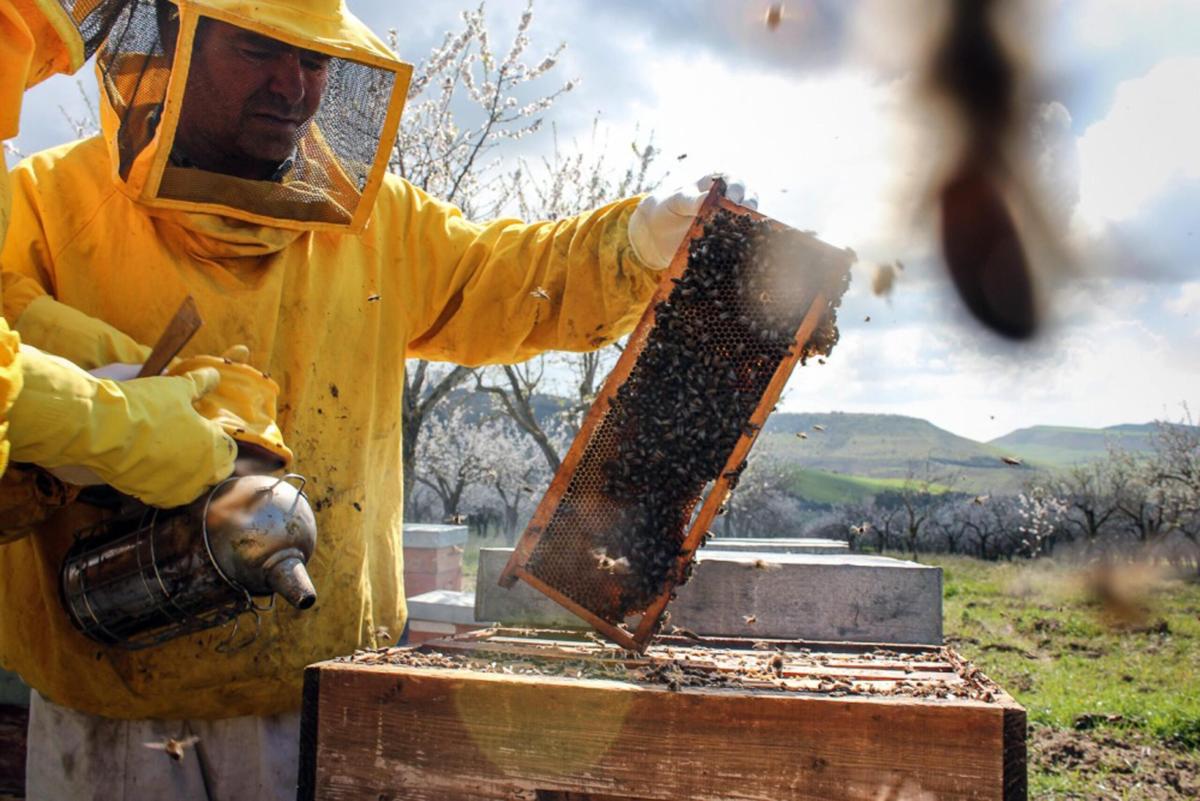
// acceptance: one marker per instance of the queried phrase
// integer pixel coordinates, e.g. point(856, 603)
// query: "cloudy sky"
point(818, 117)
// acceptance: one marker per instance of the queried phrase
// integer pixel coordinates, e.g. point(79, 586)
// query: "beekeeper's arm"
point(503, 291)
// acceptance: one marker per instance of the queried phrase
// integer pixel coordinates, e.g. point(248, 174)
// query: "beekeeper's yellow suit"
point(64, 416)
point(330, 306)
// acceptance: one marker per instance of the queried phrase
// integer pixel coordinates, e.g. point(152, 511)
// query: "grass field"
point(1112, 688)
point(820, 486)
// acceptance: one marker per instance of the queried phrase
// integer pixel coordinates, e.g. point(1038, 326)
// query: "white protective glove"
point(661, 221)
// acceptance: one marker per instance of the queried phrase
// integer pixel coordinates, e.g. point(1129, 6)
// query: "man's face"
point(247, 100)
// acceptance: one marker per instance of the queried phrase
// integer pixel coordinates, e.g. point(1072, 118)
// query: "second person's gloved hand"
point(660, 222)
point(244, 405)
point(143, 437)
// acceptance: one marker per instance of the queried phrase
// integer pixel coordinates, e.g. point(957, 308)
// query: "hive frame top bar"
point(518, 564)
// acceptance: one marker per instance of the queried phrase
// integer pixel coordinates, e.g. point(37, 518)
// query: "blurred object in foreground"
point(774, 16)
point(982, 195)
point(1124, 593)
point(884, 279)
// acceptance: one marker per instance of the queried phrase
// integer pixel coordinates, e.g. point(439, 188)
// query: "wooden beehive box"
point(516, 714)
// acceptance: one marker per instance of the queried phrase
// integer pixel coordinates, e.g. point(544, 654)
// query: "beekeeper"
point(51, 412)
point(243, 161)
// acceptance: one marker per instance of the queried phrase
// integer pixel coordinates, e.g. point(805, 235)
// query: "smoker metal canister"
point(141, 579)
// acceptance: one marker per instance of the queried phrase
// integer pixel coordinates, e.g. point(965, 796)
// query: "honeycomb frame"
point(558, 553)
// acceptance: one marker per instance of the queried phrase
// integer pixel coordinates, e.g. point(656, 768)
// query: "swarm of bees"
point(688, 400)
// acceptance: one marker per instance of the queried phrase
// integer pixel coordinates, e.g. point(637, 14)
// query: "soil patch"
point(1122, 765)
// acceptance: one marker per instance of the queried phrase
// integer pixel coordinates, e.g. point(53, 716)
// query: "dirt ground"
point(1121, 765)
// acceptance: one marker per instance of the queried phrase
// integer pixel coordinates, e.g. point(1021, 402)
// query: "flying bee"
point(539, 293)
point(884, 280)
point(980, 500)
point(750, 619)
point(801, 435)
point(818, 427)
point(174, 748)
point(680, 631)
point(1011, 460)
point(774, 16)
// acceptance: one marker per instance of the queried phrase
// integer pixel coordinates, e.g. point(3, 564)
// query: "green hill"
point(1063, 446)
point(819, 486)
point(881, 446)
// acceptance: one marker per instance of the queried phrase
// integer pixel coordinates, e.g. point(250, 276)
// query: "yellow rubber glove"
point(142, 437)
point(243, 405)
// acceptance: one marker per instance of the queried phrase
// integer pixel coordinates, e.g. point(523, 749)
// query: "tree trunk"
point(419, 403)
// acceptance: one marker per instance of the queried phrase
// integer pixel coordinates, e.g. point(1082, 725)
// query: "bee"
point(174, 748)
point(884, 280)
point(980, 500)
point(867, 319)
point(774, 16)
point(373, 298)
point(818, 427)
point(539, 293)
point(1011, 460)
point(801, 435)
point(777, 664)
point(762, 564)
point(680, 631)
point(750, 619)
point(609, 565)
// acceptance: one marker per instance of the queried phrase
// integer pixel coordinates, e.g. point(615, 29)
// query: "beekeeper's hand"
point(661, 220)
point(142, 437)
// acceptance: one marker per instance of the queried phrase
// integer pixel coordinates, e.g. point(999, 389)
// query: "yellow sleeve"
point(10, 384)
point(27, 287)
point(504, 291)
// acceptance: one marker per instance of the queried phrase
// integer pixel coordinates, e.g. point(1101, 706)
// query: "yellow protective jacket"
point(331, 317)
point(36, 41)
point(16, 55)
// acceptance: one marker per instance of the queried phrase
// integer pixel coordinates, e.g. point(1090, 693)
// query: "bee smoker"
point(148, 576)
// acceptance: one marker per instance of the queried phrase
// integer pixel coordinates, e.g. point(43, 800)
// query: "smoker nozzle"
point(290, 579)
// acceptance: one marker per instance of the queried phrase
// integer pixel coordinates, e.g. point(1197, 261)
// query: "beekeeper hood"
point(277, 112)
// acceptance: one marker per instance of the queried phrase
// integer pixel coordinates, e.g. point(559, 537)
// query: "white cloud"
point(827, 152)
point(1098, 369)
point(1188, 299)
point(1146, 143)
